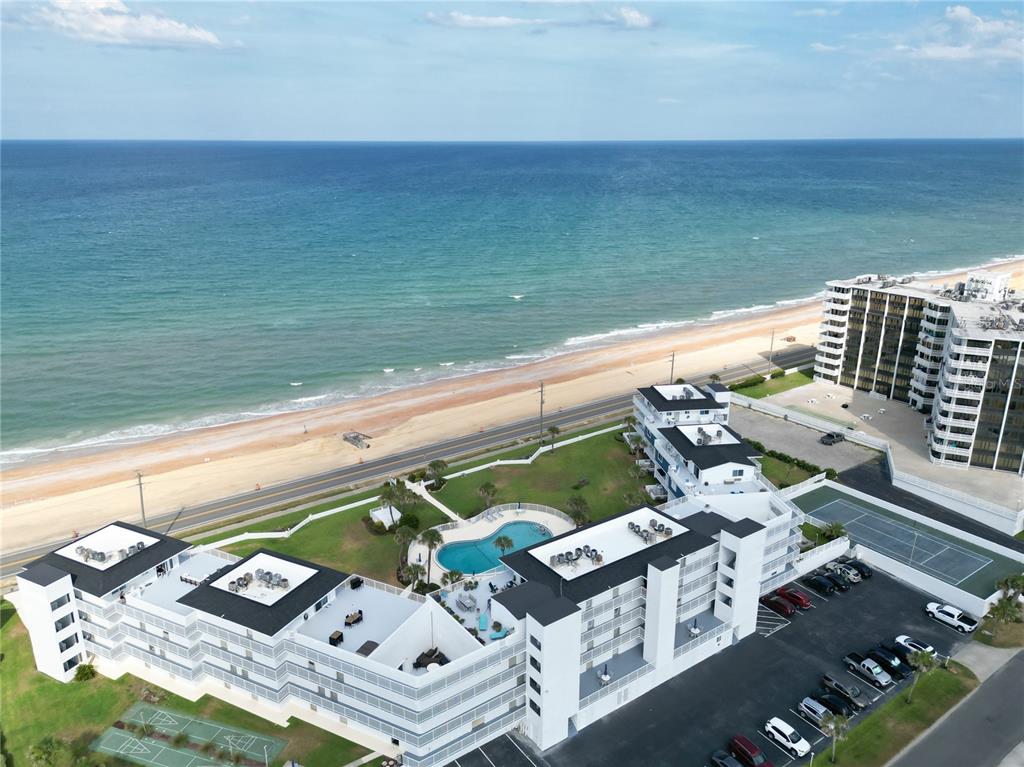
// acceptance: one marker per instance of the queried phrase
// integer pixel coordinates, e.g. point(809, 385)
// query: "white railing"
point(707, 636)
point(618, 684)
point(513, 507)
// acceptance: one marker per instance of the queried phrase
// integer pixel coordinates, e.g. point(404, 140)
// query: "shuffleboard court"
point(151, 750)
point(905, 543)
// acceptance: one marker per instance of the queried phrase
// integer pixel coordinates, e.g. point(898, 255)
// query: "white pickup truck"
point(953, 617)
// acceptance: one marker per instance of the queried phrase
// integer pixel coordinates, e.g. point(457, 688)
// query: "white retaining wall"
point(818, 556)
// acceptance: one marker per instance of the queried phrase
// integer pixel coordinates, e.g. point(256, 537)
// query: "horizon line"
point(509, 141)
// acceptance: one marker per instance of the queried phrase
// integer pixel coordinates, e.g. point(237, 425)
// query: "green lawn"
point(998, 634)
point(35, 706)
point(886, 730)
point(602, 461)
point(776, 385)
point(342, 541)
point(782, 474)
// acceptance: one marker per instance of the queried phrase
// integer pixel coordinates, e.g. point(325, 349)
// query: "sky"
point(526, 71)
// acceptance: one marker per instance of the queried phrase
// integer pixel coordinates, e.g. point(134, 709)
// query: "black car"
point(832, 438)
point(834, 703)
point(837, 580)
point(846, 690)
point(820, 585)
point(901, 652)
point(897, 669)
point(861, 567)
point(724, 759)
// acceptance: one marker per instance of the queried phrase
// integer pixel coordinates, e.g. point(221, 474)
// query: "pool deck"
point(481, 526)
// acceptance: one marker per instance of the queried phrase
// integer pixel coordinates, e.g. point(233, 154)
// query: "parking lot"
point(684, 720)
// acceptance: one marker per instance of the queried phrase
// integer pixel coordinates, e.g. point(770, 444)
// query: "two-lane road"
point(339, 479)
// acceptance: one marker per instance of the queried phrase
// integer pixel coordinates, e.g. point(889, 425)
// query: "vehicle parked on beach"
point(953, 617)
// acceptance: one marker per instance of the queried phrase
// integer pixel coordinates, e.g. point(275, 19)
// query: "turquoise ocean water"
point(151, 287)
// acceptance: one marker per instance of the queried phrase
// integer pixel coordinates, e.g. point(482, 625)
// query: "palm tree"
point(1012, 586)
point(487, 491)
point(436, 470)
point(451, 577)
point(403, 537)
point(836, 726)
point(637, 472)
point(1006, 610)
point(922, 663)
point(503, 543)
point(833, 530)
point(633, 498)
point(396, 494)
point(415, 572)
point(578, 509)
point(715, 378)
point(554, 431)
point(430, 538)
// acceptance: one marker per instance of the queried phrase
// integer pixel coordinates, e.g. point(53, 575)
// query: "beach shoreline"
point(46, 498)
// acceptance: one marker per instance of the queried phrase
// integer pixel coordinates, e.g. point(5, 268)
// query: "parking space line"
point(487, 758)
point(520, 750)
point(780, 748)
point(805, 719)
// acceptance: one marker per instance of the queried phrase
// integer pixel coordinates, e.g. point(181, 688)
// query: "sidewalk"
point(423, 493)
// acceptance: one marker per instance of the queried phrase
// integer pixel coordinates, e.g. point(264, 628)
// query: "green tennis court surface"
point(966, 565)
point(228, 743)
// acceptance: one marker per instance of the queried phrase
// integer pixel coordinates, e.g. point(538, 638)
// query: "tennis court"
point(226, 742)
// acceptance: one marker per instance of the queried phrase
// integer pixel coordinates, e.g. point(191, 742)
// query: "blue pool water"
point(471, 557)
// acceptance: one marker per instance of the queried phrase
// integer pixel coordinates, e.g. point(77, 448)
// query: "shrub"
point(179, 739)
point(778, 373)
point(747, 382)
point(496, 626)
point(831, 474)
point(680, 381)
point(85, 672)
point(408, 519)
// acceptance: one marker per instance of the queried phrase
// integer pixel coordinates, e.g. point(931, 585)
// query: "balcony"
point(963, 346)
point(952, 407)
point(953, 420)
point(839, 307)
point(964, 364)
point(830, 342)
point(968, 379)
point(950, 448)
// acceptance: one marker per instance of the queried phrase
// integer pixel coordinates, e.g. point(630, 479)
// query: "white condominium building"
point(955, 354)
point(573, 627)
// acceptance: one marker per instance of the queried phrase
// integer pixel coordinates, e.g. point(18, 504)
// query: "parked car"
point(747, 753)
point(788, 738)
point(890, 662)
point(868, 668)
point(848, 691)
point(834, 703)
point(812, 710)
point(861, 567)
point(724, 759)
point(913, 645)
point(844, 570)
point(953, 617)
point(832, 438)
point(838, 581)
point(820, 585)
point(777, 605)
point(794, 596)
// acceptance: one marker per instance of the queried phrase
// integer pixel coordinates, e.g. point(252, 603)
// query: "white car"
point(914, 645)
point(953, 617)
point(788, 738)
point(844, 570)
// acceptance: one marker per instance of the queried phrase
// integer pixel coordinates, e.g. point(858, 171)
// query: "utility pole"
point(672, 372)
point(771, 352)
point(541, 412)
point(142, 501)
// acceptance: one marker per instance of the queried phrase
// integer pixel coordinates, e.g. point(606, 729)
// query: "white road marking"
point(805, 719)
point(487, 758)
point(780, 748)
point(520, 750)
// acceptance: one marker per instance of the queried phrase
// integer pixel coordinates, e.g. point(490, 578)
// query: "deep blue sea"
point(148, 287)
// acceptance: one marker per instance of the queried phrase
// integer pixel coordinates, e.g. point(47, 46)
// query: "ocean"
point(152, 287)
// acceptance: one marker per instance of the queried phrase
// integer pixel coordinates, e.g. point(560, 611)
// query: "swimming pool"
point(471, 557)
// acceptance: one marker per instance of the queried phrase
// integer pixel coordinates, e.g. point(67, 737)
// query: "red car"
point(748, 753)
point(778, 605)
point(795, 597)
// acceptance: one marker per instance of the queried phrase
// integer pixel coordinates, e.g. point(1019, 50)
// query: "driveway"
point(797, 441)
point(684, 720)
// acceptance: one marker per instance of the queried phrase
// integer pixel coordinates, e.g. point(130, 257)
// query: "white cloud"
point(468, 21)
point(965, 36)
point(630, 18)
point(823, 48)
point(820, 12)
point(112, 22)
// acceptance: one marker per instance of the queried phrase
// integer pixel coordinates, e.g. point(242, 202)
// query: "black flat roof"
point(607, 576)
point(743, 527)
point(715, 386)
point(665, 405)
point(709, 456)
point(101, 582)
point(266, 619)
point(537, 600)
point(706, 522)
point(42, 574)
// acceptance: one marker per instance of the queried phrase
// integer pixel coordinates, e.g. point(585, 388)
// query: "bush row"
point(810, 468)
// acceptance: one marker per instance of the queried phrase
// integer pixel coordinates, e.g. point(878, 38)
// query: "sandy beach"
point(49, 499)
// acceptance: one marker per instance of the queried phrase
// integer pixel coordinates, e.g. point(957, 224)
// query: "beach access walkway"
point(423, 493)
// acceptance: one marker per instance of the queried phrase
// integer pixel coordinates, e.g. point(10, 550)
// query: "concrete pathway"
point(422, 492)
point(368, 758)
point(1015, 758)
point(984, 727)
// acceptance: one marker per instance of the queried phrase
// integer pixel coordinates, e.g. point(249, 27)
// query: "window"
point(167, 635)
point(534, 686)
point(737, 472)
point(534, 642)
point(320, 691)
point(535, 663)
point(320, 604)
point(312, 666)
point(70, 663)
point(59, 603)
point(535, 707)
point(64, 622)
point(69, 642)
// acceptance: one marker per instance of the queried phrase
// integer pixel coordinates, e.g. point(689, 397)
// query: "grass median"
point(887, 730)
point(772, 386)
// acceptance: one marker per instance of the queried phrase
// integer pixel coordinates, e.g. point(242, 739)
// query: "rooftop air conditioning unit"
point(140, 545)
point(122, 554)
point(99, 556)
point(284, 583)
